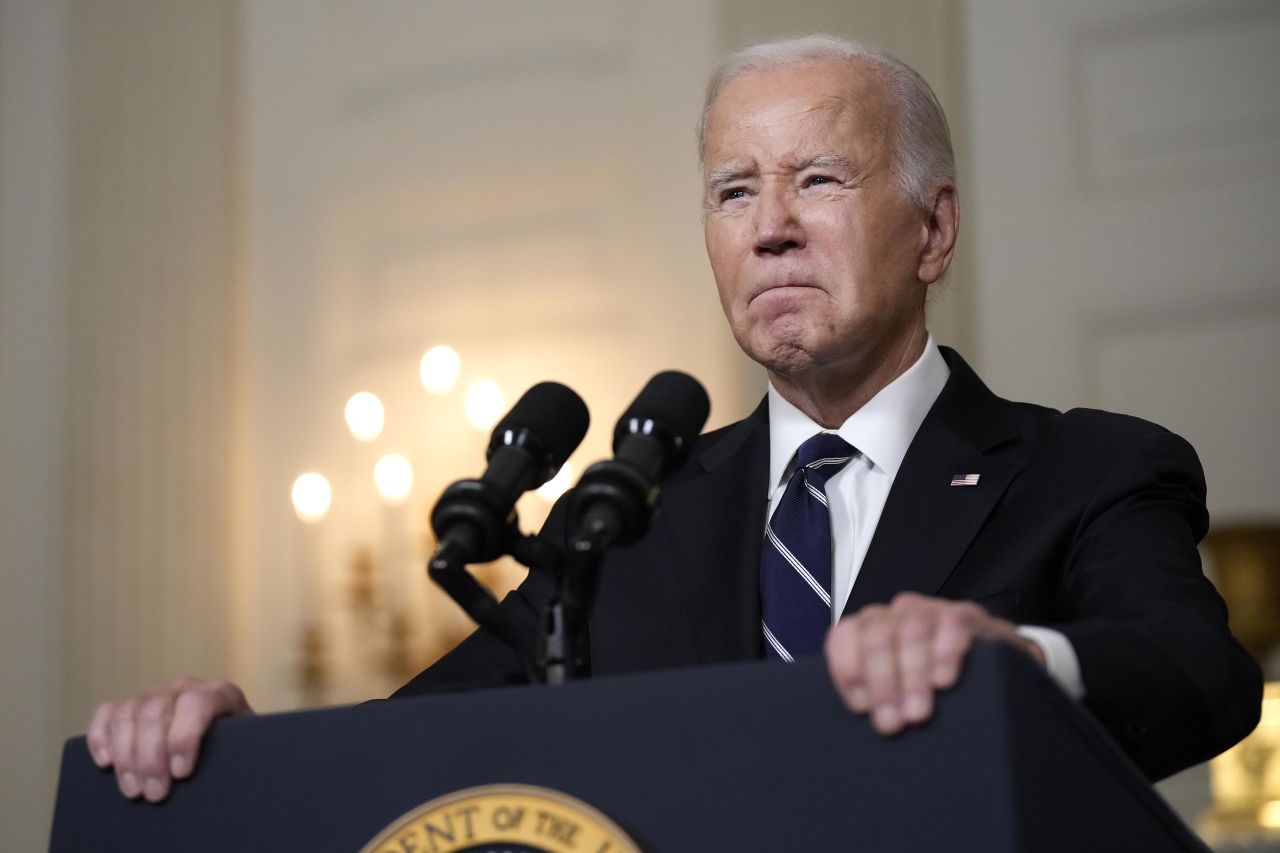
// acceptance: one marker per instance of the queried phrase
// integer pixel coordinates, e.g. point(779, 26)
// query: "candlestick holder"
point(1246, 778)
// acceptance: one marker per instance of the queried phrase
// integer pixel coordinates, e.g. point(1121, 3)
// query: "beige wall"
point(150, 301)
point(116, 369)
point(1126, 162)
point(218, 220)
point(33, 409)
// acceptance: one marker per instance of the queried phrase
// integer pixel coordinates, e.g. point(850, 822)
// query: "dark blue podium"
point(744, 757)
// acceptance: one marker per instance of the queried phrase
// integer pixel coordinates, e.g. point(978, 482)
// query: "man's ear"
point(941, 225)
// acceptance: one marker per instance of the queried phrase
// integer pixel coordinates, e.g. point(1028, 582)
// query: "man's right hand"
point(153, 738)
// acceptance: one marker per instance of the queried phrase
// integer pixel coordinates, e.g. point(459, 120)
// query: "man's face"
point(815, 248)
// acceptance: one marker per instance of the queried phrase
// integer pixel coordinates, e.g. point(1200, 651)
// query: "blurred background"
point(220, 221)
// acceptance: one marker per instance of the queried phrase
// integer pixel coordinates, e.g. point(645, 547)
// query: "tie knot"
point(824, 454)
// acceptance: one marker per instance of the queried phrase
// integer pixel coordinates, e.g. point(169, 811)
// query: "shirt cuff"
point(1059, 657)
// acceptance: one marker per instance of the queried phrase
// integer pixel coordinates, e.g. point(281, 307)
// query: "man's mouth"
point(783, 287)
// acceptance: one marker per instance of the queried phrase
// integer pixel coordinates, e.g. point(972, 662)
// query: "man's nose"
point(778, 229)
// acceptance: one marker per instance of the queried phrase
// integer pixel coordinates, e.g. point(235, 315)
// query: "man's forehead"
point(797, 101)
point(832, 84)
point(829, 132)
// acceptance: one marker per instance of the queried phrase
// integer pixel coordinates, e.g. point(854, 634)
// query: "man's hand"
point(889, 661)
point(154, 738)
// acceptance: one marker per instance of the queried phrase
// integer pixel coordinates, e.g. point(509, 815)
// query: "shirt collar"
point(881, 430)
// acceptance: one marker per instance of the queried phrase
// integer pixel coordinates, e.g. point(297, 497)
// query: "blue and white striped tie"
point(795, 562)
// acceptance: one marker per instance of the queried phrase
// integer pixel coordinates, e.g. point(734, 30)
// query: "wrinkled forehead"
point(788, 112)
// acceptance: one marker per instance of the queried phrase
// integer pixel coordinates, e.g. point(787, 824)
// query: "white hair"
point(923, 158)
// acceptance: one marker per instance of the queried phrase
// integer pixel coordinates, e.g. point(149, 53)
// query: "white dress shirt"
point(881, 431)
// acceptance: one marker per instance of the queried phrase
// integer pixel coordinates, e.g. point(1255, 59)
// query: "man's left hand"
point(889, 661)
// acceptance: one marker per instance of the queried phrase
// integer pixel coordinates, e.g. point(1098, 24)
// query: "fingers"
point(195, 710)
point(916, 637)
point(154, 738)
point(844, 655)
point(191, 719)
point(120, 741)
point(882, 671)
point(890, 661)
point(956, 628)
point(96, 736)
point(150, 748)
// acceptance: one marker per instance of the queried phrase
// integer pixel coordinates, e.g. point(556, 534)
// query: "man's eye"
point(731, 193)
point(814, 180)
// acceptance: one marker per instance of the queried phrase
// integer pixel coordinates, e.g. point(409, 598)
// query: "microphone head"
point(673, 403)
point(550, 421)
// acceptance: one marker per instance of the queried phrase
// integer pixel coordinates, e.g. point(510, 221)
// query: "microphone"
point(473, 518)
point(614, 498)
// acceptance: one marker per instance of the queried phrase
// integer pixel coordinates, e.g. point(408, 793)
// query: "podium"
point(741, 757)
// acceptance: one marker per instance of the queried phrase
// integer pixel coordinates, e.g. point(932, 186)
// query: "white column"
point(152, 298)
point(33, 120)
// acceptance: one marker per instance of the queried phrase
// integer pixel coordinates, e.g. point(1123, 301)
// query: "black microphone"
point(613, 500)
point(473, 518)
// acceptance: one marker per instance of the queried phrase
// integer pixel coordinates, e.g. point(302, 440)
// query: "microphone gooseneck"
point(612, 505)
point(475, 520)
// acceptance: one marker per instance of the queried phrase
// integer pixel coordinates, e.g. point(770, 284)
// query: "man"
point(892, 488)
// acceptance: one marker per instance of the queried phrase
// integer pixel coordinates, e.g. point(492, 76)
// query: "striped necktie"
point(795, 561)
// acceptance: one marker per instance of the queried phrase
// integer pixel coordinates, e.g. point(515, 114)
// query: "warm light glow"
point(365, 416)
point(557, 485)
point(393, 476)
point(1244, 786)
point(311, 497)
point(439, 369)
point(484, 404)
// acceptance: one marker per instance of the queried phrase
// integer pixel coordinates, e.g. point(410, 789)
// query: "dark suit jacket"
point(1083, 521)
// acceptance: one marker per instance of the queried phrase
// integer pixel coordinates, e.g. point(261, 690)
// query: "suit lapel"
point(716, 521)
point(715, 518)
point(927, 524)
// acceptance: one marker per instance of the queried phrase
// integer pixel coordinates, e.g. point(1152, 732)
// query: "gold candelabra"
point(1246, 778)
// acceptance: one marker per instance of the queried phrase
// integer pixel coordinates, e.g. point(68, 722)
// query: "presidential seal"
point(503, 819)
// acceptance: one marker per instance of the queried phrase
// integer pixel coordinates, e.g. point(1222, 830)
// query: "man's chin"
point(783, 357)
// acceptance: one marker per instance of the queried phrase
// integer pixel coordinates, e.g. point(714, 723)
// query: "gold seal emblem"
point(503, 819)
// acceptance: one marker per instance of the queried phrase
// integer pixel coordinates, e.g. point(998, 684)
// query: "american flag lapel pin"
point(964, 479)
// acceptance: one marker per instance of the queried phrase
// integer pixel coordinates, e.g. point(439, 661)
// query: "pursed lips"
point(783, 286)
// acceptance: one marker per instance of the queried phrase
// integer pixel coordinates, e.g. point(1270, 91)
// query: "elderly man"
point(880, 486)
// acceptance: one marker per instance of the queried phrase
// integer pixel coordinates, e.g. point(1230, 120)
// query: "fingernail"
point(153, 789)
point(859, 700)
point(129, 785)
point(886, 719)
point(101, 758)
point(178, 766)
point(916, 707)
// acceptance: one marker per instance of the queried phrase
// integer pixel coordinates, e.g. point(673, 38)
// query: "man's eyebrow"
point(825, 161)
point(720, 177)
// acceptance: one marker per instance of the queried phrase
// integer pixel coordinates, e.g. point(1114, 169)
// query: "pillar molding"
point(151, 324)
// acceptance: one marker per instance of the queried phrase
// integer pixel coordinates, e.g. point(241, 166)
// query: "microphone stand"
point(612, 503)
point(475, 520)
point(448, 568)
point(451, 575)
point(566, 648)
